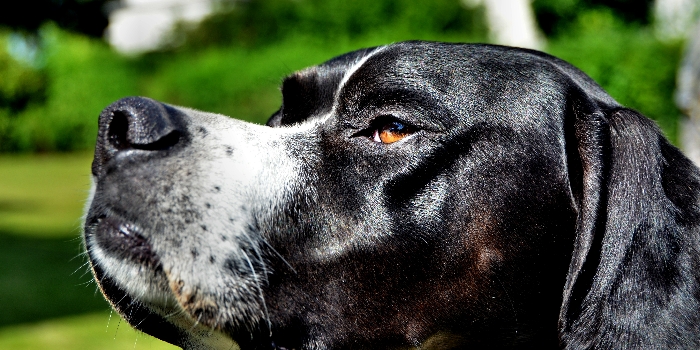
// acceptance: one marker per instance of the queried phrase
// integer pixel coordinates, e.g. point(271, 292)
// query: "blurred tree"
point(511, 22)
point(688, 95)
point(23, 79)
point(259, 22)
point(674, 19)
point(19, 84)
point(232, 62)
point(555, 16)
point(636, 11)
point(89, 17)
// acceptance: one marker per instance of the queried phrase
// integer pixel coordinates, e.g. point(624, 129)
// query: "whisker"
point(510, 301)
point(175, 313)
point(278, 255)
point(117, 330)
point(109, 319)
point(255, 228)
point(85, 264)
point(258, 253)
point(262, 298)
point(196, 323)
point(86, 283)
point(79, 255)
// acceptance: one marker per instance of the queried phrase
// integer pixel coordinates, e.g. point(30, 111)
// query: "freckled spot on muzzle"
point(202, 308)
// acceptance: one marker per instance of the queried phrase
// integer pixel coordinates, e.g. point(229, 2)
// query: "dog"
point(418, 195)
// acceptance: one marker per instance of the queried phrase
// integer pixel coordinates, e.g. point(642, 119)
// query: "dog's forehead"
point(471, 82)
point(328, 74)
point(449, 84)
point(314, 91)
point(453, 68)
point(445, 70)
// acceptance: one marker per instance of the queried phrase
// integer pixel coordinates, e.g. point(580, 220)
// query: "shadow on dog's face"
point(416, 195)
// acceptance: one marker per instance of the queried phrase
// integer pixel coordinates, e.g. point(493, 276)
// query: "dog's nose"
point(134, 123)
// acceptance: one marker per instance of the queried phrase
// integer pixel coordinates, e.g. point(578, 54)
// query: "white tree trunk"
point(674, 18)
point(688, 96)
point(511, 22)
point(678, 20)
point(142, 25)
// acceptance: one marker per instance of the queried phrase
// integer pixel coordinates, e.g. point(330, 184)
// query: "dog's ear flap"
point(635, 193)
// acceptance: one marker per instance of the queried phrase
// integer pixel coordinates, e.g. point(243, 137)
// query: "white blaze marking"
point(352, 71)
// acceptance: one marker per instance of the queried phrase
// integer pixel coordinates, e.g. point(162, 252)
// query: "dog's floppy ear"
point(637, 223)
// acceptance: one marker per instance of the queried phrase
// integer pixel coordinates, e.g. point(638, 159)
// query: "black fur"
point(527, 210)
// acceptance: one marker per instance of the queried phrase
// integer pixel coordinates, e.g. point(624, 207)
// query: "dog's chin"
point(167, 323)
point(134, 283)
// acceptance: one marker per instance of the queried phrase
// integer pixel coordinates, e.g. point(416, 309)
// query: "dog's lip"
point(122, 238)
point(137, 314)
point(162, 318)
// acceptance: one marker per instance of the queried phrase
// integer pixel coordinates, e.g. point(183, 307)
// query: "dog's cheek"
point(217, 266)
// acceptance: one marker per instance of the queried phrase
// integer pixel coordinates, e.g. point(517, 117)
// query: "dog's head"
point(418, 194)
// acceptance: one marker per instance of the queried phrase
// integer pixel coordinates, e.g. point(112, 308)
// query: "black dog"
point(418, 195)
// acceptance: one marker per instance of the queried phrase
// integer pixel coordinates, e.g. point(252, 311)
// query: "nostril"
point(117, 131)
point(136, 123)
point(118, 136)
point(161, 144)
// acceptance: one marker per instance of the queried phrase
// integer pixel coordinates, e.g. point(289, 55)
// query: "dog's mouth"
point(124, 240)
point(109, 237)
point(131, 276)
point(123, 258)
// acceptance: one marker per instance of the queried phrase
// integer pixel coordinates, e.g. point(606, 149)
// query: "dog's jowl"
point(412, 196)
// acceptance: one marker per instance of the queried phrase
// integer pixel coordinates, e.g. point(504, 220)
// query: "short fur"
point(525, 208)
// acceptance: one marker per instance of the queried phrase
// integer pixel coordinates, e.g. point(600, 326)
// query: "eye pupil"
point(396, 127)
point(391, 132)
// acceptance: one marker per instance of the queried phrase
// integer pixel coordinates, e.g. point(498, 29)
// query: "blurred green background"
point(231, 63)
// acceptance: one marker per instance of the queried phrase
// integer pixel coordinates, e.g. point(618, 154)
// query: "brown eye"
point(391, 132)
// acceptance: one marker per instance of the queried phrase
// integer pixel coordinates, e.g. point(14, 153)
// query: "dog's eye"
point(391, 132)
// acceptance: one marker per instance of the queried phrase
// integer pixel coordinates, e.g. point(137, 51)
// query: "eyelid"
point(371, 132)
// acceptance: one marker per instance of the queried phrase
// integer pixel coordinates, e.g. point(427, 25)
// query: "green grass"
point(43, 195)
point(44, 278)
point(41, 266)
point(104, 331)
point(48, 299)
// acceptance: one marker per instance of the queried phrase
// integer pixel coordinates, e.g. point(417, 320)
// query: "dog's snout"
point(135, 123)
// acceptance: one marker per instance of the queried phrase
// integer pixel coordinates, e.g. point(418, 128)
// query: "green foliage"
point(82, 76)
point(227, 66)
point(555, 16)
point(233, 63)
point(244, 83)
point(628, 62)
point(256, 23)
point(20, 83)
